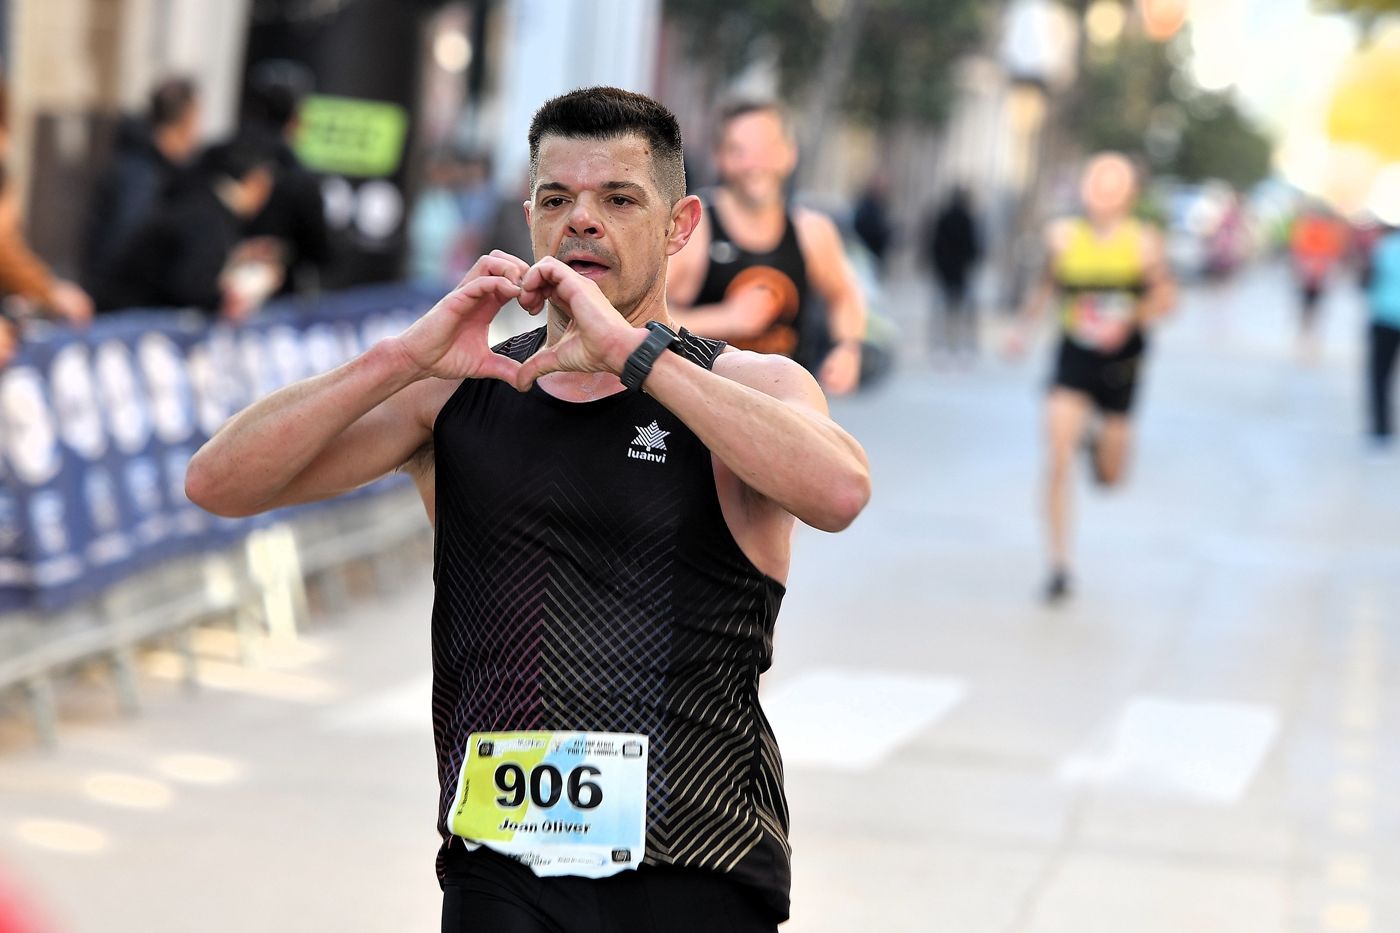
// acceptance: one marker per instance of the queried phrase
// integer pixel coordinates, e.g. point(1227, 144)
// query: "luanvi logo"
point(651, 439)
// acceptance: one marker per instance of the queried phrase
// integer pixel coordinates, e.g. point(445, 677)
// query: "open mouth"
point(587, 267)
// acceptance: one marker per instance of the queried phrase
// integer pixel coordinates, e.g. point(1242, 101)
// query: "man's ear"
point(685, 217)
point(528, 204)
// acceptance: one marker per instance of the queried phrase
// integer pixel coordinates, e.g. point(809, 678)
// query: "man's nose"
point(582, 222)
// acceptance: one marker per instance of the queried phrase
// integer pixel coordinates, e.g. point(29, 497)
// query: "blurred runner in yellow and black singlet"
point(1107, 275)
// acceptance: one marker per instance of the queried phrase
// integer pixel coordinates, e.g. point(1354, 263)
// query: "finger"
point(498, 366)
point(545, 361)
point(533, 300)
point(491, 291)
point(520, 265)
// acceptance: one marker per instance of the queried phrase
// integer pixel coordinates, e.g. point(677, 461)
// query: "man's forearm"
point(802, 461)
point(846, 320)
point(739, 317)
point(262, 449)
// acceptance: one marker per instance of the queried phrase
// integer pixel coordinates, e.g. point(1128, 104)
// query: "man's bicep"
point(777, 377)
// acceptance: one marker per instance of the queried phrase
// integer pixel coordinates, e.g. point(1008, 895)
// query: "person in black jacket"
point(953, 248)
point(295, 214)
point(147, 160)
point(179, 257)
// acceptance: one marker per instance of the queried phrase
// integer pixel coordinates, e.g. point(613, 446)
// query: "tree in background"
point(880, 61)
point(1137, 98)
point(1367, 12)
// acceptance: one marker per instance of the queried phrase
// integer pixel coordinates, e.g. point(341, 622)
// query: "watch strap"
point(639, 364)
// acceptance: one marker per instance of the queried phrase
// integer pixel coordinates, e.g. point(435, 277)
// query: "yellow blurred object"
point(1362, 112)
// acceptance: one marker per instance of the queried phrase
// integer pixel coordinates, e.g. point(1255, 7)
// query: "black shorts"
point(1109, 379)
point(484, 891)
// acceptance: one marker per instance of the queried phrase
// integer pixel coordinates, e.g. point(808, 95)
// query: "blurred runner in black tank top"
point(746, 274)
point(614, 505)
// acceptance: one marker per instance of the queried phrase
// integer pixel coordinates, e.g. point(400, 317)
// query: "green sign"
point(347, 136)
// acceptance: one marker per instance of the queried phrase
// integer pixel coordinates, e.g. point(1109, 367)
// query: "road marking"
point(1351, 822)
point(200, 769)
point(128, 790)
point(1349, 871)
point(405, 708)
point(1205, 750)
point(235, 678)
point(61, 836)
point(1354, 787)
point(851, 720)
point(1346, 917)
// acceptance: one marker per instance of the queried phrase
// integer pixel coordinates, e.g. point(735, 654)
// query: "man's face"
point(596, 207)
point(755, 157)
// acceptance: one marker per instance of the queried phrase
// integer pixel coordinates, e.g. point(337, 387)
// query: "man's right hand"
point(450, 341)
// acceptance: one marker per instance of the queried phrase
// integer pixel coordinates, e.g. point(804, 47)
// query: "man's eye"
point(619, 201)
point(553, 202)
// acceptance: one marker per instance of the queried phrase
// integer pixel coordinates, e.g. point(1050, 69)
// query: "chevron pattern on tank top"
point(556, 612)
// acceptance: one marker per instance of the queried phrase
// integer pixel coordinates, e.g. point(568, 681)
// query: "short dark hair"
point(275, 91)
point(236, 158)
point(610, 113)
point(171, 99)
point(733, 109)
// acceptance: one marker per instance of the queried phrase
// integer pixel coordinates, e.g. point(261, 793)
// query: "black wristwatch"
point(639, 364)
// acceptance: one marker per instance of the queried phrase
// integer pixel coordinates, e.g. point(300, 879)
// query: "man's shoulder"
point(769, 373)
point(816, 231)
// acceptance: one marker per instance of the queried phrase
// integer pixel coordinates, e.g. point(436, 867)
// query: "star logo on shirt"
point(651, 437)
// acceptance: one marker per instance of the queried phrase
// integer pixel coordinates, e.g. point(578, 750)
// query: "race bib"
point(564, 803)
point(1093, 315)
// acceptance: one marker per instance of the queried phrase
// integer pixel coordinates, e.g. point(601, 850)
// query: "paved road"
point(1192, 746)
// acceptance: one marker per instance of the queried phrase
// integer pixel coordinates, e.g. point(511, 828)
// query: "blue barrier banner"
point(98, 426)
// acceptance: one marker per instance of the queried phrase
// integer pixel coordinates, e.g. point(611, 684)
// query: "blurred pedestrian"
point(1383, 292)
point(953, 247)
point(1317, 241)
point(871, 219)
point(508, 231)
point(26, 279)
point(747, 273)
point(450, 218)
point(295, 214)
point(191, 253)
point(1107, 276)
point(148, 156)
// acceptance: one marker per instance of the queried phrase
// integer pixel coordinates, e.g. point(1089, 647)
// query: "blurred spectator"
point(1317, 242)
point(295, 214)
point(953, 247)
point(872, 218)
point(450, 218)
point(188, 254)
point(1383, 290)
point(24, 275)
point(147, 158)
point(508, 230)
point(747, 273)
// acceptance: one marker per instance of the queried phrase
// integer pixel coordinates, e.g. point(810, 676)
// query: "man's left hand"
point(840, 371)
point(596, 339)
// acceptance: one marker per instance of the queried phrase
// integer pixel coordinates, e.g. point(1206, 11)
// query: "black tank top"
point(729, 261)
point(586, 580)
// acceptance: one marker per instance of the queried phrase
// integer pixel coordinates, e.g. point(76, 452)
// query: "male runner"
point(1107, 274)
point(744, 276)
point(612, 541)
